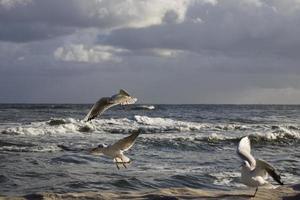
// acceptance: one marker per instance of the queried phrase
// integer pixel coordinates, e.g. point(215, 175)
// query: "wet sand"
point(284, 193)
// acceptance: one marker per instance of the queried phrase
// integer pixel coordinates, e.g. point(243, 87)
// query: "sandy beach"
point(284, 193)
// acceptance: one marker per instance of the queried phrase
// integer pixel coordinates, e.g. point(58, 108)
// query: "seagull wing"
point(98, 108)
point(244, 152)
point(125, 143)
point(268, 168)
point(124, 92)
point(105, 103)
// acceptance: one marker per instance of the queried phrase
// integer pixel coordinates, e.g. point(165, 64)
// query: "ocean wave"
point(209, 132)
point(55, 122)
point(230, 179)
point(18, 148)
point(143, 107)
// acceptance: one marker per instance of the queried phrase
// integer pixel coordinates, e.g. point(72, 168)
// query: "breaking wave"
point(143, 107)
point(172, 129)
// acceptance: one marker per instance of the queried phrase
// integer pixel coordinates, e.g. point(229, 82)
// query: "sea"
point(178, 146)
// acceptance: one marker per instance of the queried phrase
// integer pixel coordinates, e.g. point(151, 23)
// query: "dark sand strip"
point(280, 193)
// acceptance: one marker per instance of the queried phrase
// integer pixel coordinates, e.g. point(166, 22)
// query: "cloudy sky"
point(162, 51)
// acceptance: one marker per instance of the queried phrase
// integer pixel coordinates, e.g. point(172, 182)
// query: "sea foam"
point(172, 128)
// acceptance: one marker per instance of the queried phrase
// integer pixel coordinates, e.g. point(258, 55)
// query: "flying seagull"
point(255, 171)
point(123, 98)
point(115, 151)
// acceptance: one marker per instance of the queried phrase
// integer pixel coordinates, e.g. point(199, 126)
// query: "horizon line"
point(295, 104)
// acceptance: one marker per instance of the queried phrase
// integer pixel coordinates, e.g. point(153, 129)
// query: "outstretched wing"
point(244, 152)
point(263, 165)
point(125, 143)
point(98, 108)
point(105, 103)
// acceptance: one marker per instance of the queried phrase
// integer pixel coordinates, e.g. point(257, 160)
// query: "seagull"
point(123, 98)
point(115, 151)
point(255, 171)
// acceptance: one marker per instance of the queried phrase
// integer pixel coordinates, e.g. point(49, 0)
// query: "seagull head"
point(98, 150)
point(245, 164)
point(102, 145)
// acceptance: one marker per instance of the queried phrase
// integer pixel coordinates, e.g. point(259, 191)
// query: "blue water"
point(179, 145)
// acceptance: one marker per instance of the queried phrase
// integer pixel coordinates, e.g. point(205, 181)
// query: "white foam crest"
point(281, 132)
point(69, 126)
point(214, 137)
point(42, 128)
point(168, 124)
point(170, 127)
point(143, 107)
point(230, 179)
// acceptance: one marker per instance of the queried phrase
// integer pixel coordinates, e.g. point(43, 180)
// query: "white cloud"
point(165, 53)
point(81, 53)
point(139, 13)
point(9, 4)
point(105, 53)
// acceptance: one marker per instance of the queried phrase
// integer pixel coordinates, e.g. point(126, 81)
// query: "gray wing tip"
point(281, 183)
point(124, 92)
point(88, 118)
point(278, 178)
point(272, 171)
point(135, 134)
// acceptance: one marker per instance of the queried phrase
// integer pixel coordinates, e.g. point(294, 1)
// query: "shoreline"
point(288, 192)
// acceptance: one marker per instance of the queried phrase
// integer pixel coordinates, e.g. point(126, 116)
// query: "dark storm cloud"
point(40, 18)
point(44, 19)
point(36, 21)
point(227, 28)
point(171, 51)
point(20, 32)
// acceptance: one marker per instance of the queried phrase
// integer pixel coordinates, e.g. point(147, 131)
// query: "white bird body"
point(116, 150)
point(255, 171)
point(116, 154)
point(253, 178)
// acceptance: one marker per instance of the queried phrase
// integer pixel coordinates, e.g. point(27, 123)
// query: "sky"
point(170, 51)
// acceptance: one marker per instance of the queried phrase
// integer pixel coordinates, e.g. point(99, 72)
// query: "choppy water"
point(179, 145)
